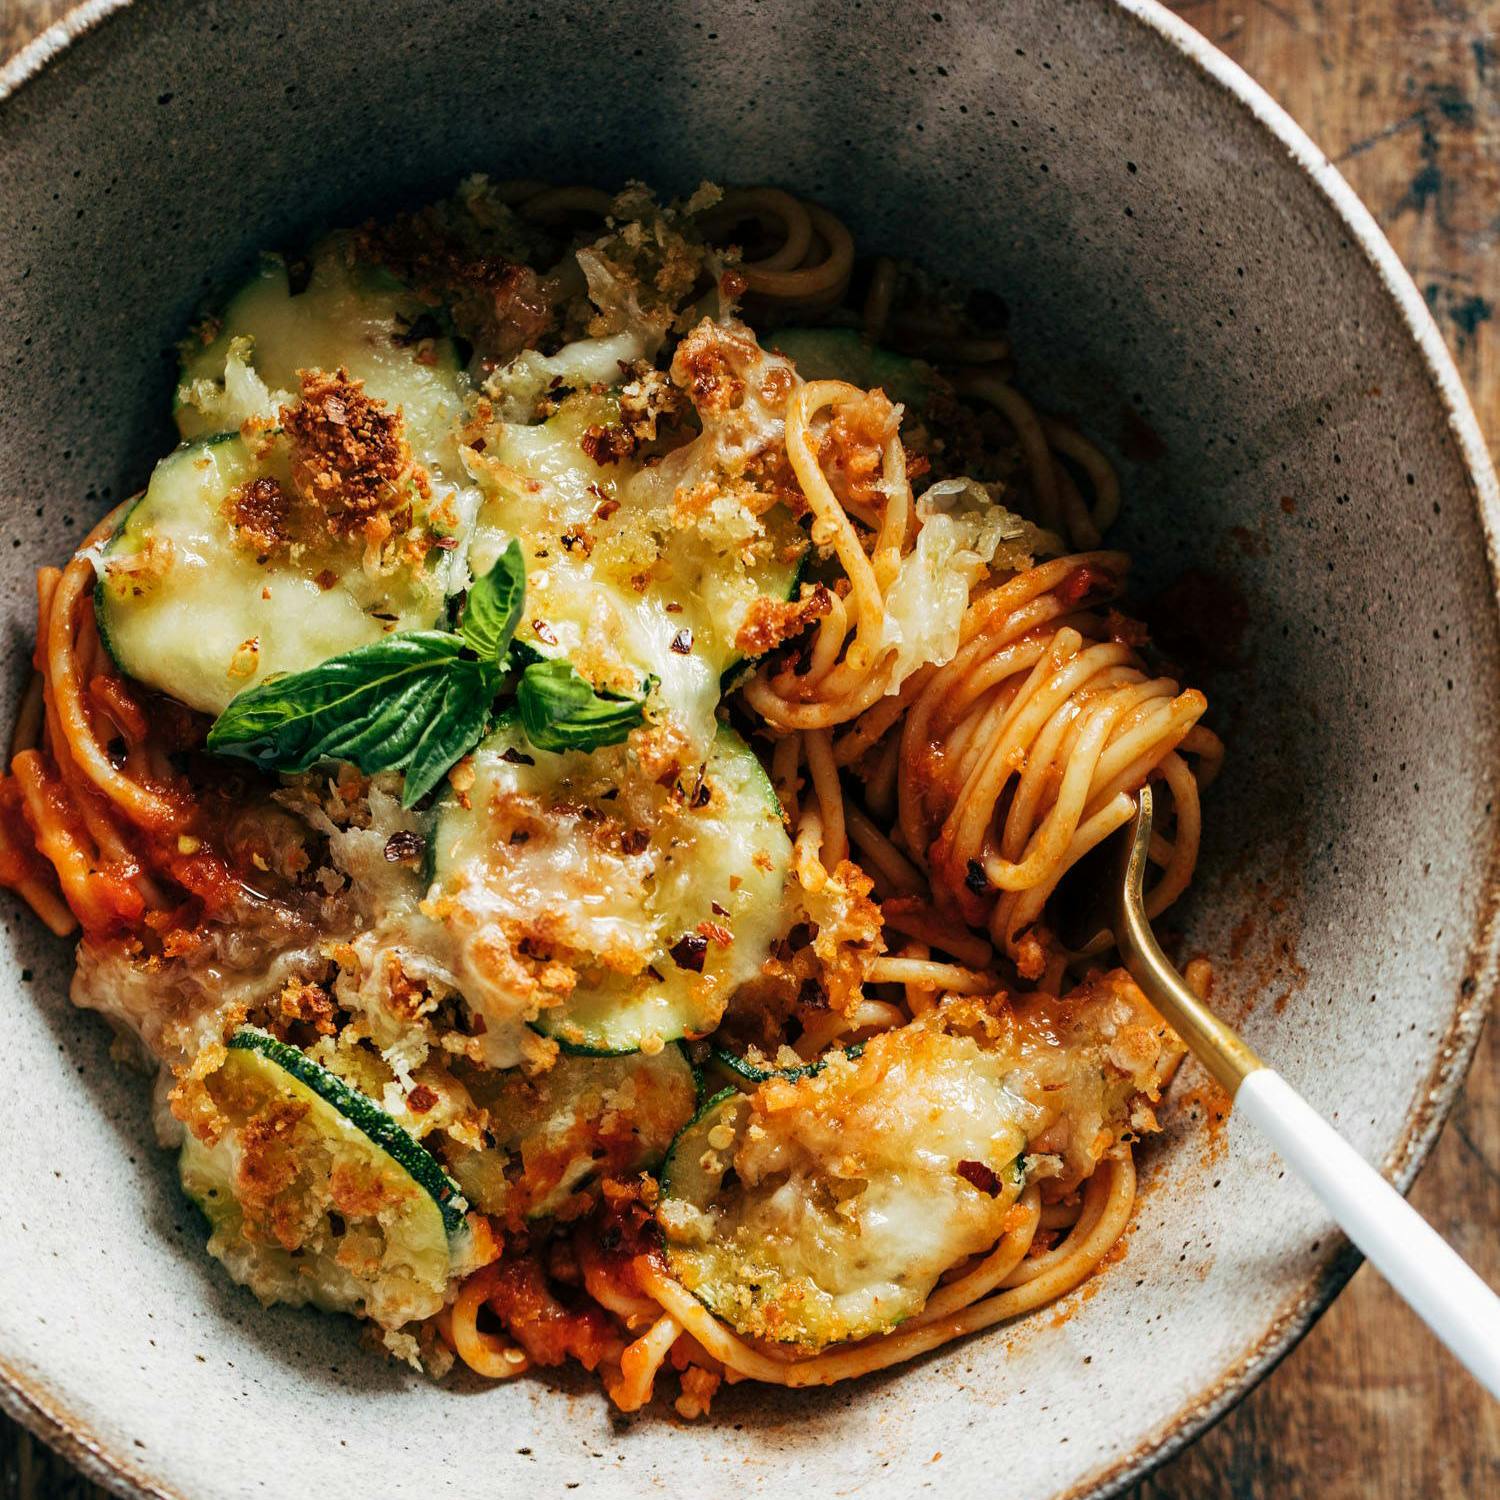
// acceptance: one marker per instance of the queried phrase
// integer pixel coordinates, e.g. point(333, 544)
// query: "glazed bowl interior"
point(1181, 286)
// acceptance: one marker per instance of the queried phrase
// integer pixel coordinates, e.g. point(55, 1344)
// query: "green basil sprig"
point(418, 701)
point(408, 703)
point(561, 711)
point(493, 609)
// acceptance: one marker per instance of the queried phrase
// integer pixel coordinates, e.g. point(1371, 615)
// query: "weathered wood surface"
point(1405, 96)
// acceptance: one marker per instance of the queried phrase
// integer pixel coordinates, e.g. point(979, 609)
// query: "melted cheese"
point(192, 608)
point(847, 1202)
point(640, 569)
point(569, 882)
point(849, 1205)
point(188, 608)
point(351, 316)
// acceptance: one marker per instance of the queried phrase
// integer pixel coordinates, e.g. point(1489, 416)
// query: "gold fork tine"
point(1217, 1046)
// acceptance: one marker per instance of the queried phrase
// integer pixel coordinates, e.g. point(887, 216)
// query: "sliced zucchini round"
point(557, 1133)
point(754, 1069)
point(314, 1194)
point(349, 315)
point(694, 1166)
point(616, 583)
point(825, 1208)
point(842, 354)
point(661, 900)
point(187, 607)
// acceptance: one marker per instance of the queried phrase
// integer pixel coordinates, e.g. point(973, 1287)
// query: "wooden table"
point(1405, 96)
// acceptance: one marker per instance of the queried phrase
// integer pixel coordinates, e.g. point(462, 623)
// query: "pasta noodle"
point(958, 783)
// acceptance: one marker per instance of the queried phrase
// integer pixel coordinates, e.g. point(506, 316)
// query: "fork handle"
point(1454, 1303)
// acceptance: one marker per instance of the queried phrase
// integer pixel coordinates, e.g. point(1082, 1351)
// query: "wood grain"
point(1405, 96)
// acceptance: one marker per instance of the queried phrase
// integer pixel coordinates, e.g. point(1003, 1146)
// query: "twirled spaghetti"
point(848, 542)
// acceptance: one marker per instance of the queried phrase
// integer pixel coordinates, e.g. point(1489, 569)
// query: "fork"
point(1417, 1262)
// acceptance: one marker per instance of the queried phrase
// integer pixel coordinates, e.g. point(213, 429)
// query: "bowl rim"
point(26, 1400)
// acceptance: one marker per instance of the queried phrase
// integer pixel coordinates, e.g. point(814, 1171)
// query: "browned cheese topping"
point(769, 622)
point(260, 511)
point(350, 457)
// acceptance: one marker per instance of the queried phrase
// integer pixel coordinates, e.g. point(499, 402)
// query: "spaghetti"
point(940, 766)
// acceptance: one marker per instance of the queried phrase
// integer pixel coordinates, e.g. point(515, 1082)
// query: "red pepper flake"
point(689, 951)
point(478, 445)
point(715, 933)
point(674, 608)
point(606, 508)
point(1078, 585)
point(682, 642)
point(634, 840)
point(421, 1099)
point(702, 796)
point(975, 878)
point(717, 910)
point(544, 632)
point(404, 846)
point(516, 757)
point(445, 543)
point(976, 1174)
point(654, 972)
point(606, 445)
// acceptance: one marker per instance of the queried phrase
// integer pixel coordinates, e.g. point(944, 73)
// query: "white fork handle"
point(1422, 1267)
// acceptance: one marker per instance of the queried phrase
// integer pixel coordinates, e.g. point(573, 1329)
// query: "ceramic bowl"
point(1190, 278)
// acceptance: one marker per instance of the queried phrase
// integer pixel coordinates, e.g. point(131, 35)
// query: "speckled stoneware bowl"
point(1189, 276)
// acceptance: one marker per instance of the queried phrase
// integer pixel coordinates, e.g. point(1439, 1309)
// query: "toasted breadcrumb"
point(259, 511)
point(350, 457)
point(769, 622)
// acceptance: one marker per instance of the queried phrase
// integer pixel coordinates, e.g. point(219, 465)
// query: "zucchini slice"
point(695, 1165)
point(556, 1134)
point(657, 902)
point(185, 605)
point(627, 578)
point(753, 1068)
point(825, 1208)
point(842, 354)
point(349, 315)
point(314, 1194)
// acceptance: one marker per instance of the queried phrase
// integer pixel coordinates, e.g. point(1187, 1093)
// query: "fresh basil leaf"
point(561, 711)
point(523, 654)
point(458, 725)
point(493, 608)
point(398, 704)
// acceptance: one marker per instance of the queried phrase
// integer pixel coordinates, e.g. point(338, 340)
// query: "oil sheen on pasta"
point(743, 1046)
